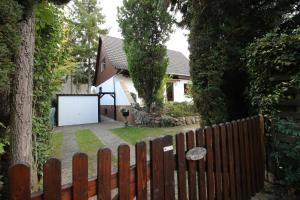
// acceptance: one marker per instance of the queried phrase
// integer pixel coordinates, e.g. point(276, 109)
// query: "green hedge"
point(180, 109)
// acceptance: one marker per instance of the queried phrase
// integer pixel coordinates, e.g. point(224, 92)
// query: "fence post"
point(19, 182)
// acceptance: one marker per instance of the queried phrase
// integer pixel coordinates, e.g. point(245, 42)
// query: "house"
point(112, 76)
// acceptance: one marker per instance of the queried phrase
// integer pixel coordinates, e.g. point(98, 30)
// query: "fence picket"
point(247, 163)
point(210, 164)
point(169, 168)
point(251, 157)
point(237, 160)
point(200, 142)
point(255, 154)
point(104, 174)
point(181, 167)
point(262, 149)
point(224, 155)
point(141, 170)
point(192, 182)
point(217, 161)
point(51, 182)
point(124, 172)
point(230, 143)
point(80, 176)
point(243, 160)
point(157, 169)
point(19, 182)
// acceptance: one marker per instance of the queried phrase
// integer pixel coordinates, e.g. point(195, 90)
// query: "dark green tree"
point(146, 25)
point(87, 19)
point(220, 32)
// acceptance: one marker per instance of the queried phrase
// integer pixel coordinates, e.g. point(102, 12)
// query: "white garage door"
point(77, 109)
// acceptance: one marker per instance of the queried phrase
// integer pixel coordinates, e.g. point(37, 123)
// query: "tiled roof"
point(178, 63)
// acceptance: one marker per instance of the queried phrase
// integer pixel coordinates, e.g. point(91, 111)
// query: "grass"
point(135, 134)
point(89, 143)
point(57, 140)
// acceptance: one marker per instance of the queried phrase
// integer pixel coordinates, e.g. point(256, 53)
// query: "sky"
point(177, 41)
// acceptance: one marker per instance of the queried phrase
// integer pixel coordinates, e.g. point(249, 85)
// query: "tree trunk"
point(21, 105)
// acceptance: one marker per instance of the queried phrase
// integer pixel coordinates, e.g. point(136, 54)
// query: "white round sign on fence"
point(196, 153)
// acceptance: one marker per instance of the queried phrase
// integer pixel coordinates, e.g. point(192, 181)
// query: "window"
point(103, 65)
point(187, 88)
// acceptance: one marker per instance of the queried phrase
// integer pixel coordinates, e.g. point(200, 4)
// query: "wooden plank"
point(192, 182)
point(210, 164)
point(230, 143)
point(251, 156)
point(259, 157)
point(104, 174)
point(247, 157)
point(243, 160)
point(169, 168)
point(52, 179)
point(224, 165)
point(80, 176)
point(237, 160)
point(141, 170)
point(200, 142)
point(157, 169)
point(124, 172)
point(19, 182)
point(217, 161)
point(181, 167)
point(262, 147)
point(255, 153)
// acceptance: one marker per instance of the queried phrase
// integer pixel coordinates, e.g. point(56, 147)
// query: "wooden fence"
point(233, 168)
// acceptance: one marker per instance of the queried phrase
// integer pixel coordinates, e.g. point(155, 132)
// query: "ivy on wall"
point(51, 63)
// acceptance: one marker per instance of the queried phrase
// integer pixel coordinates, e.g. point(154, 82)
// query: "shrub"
point(286, 153)
point(180, 109)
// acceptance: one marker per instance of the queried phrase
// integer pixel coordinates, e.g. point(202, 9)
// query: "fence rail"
point(233, 168)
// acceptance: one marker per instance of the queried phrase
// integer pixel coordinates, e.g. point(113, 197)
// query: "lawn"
point(135, 134)
point(57, 140)
point(89, 143)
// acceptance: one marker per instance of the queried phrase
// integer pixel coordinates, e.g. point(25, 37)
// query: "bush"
point(180, 109)
point(286, 153)
point(274, 55)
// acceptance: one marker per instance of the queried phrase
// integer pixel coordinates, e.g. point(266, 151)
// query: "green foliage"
point(220, 31)
point(286, 152)
point(52, 61)
point(146, 26)
point(180, 109)
point(273, 56)
point(10, 14)
point(87, 19)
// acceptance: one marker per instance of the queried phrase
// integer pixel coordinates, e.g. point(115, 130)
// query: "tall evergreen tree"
point(87, 18)
point(146, 25)
point(220, 32)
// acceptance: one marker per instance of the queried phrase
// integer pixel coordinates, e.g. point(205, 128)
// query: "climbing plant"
point(52, 62)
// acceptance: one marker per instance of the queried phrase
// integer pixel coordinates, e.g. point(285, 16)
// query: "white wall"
point(77, 110)
point(179, 95)
point(130, 87)
point(108, 86)
point(122, 99)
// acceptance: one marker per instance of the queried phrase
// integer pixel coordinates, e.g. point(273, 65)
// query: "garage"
point(77, 109)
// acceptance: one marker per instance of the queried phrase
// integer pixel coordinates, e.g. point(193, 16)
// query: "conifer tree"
point(146, 25)
point(87, 19)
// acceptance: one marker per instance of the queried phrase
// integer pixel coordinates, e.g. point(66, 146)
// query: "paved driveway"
point(101, 130)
